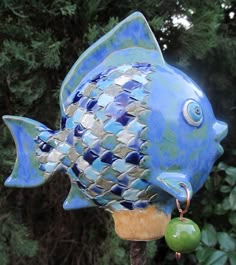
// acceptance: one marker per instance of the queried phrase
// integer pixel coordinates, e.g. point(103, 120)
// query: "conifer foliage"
point(39, 42)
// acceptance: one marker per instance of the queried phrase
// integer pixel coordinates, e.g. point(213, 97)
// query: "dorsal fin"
point(134, 31)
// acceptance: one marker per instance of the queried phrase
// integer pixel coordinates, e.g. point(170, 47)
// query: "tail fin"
point(26, 172)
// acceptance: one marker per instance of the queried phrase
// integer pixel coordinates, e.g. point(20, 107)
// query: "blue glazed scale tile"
point(121, 80)
point(69, 123)
point(95, 147)
point(104, 100)
point(130, 195)
point(143, 116)
point(103, 183)
point(144, 148)
point(101, 200)
point(134, 143)
point(73, 176)
point(115, 206)
point(140, 79)
point(121, 150)
point(44, 147)
point(122, 99)
point(63, 148)
point(78, 115)
point(98, 165)
point(66, 161)
point(112, 126)
point(104, 84)
point(94, 188)
point(91, 104)
point(53, 142)
point(77, 97)
point(114, 90)
point(144, 134)
point(127, 204)
point(87, 120)
point(138, 94)
point(110, 174)
point(135, 127)
point(54, 156)
point(75, 169)
point(109, 142)
point(91, 174)
point(139, 184)
point(133, 158)
point(82, 164)
point(101, 115)
point(79, 130)
point(108, 157)
point(45, 136)
point(70, 138)
point(84, 180)
point(83, 102)
point(125, 118)
point(124, 136)
point(89, 138)
point(131, 85)
point(88, 88)
point(121, 166)
point(118, 189)
point(141, 204)
point(80, 185)
point(89, 156)
point(145, 162)
point(114, 110)
point(79, 147)
point(124, 180)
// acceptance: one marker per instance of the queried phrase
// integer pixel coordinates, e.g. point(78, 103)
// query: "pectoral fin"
point(172, 183)
point(76, 199)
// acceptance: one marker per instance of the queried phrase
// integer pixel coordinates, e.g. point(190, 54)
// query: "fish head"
point(183, 132)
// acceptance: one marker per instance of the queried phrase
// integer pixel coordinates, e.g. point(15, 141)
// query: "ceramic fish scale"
point(133, 130)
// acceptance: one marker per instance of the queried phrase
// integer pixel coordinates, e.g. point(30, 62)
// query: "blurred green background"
point(39, 42)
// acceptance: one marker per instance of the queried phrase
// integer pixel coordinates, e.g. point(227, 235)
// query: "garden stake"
point(136, 135)
point(138, 253)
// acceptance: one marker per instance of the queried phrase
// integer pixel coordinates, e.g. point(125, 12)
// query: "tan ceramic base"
point(140, 225)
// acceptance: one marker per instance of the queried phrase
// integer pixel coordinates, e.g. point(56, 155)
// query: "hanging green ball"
point(182, 235)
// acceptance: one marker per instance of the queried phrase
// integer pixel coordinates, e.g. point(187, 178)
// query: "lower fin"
point(76, 199)
point(173, 182)
point(26, 172)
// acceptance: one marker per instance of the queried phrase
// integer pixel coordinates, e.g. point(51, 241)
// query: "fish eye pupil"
point(197, 111)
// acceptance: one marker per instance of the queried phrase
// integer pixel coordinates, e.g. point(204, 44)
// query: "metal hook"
point(182, 212)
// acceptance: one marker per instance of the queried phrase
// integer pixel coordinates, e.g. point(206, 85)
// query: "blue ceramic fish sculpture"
point(133, 128)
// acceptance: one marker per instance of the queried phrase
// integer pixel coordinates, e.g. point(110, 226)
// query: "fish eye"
point(192, 112)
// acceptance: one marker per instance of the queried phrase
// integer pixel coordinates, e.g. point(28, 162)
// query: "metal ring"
point(182, 212)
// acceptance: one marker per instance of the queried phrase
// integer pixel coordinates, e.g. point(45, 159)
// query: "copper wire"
point(181, 211)
point(177, 256)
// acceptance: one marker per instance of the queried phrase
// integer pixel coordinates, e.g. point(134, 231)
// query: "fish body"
point(133, 128)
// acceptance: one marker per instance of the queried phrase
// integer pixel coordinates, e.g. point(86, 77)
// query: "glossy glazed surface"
point(182, 236)
point(132, 130)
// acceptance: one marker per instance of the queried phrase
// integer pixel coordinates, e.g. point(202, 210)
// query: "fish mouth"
point(221, 130)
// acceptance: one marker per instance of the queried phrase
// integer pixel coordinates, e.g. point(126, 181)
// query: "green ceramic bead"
point(182, 236)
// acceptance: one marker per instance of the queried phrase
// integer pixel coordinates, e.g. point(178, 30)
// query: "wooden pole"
point(138, 254)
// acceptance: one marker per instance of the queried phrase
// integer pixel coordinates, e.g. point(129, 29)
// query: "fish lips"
point(221, 130)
